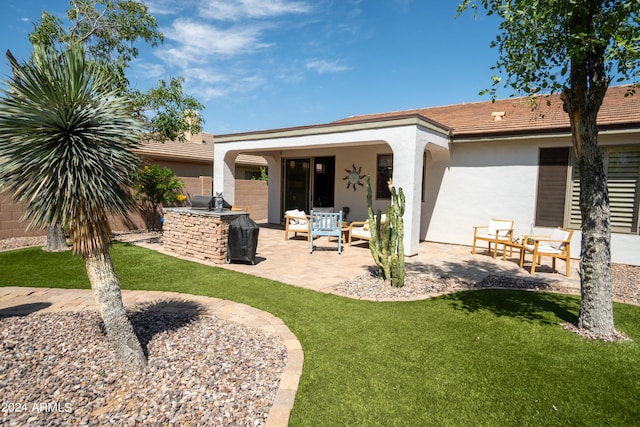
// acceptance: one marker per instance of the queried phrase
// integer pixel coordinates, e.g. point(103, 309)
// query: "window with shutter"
point(552, 180)
point(622, 167)
point(623, 174)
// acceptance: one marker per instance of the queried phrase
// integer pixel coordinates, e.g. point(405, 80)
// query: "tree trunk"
point(596, 307)
point(56, 240)
point(106, 288)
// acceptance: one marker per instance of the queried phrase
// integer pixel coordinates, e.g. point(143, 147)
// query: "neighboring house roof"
point(515, 116)
point(172, 150)
point(198, 150)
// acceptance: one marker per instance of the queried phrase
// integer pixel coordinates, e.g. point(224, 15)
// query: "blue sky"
point(264, 64)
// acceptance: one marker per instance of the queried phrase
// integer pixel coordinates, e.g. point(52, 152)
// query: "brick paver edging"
point(82, 299)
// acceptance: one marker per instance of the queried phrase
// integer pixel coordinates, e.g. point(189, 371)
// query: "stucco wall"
point(498, 179)
point(345, 157)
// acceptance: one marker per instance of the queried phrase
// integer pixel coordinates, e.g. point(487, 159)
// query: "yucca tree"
point(65, 150)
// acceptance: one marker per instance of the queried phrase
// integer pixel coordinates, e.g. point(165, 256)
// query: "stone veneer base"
point(199, 234)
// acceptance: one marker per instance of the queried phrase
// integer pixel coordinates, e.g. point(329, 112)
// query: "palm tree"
point(65, 150)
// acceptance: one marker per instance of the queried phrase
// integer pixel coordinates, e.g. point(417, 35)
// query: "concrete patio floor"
point(289, 261)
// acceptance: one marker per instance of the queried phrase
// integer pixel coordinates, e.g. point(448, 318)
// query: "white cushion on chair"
point(548, 249)
point(502, 227)
point(298, 227)
point(298, 215)
point(558, 235)
point(360, 233)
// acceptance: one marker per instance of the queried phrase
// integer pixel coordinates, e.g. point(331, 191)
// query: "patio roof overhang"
point(337, 127)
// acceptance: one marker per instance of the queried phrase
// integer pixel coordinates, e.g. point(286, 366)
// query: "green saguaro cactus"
point(387, 240)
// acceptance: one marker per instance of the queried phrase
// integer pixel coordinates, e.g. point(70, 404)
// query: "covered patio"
point(324, 166)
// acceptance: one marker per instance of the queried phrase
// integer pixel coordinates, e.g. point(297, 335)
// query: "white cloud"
point(230, 85)
point(161, 7)
point(197, 41)
point(322, 66)
point(204, 75)
point(234, 10)
point(154, 71)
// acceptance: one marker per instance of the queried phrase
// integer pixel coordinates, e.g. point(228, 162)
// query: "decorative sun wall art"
point(354, 176)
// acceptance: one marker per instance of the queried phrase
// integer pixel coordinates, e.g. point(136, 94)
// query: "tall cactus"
point(387, 242)
point(394, 217)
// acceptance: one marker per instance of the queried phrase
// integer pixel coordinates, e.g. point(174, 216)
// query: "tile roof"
point(515, 116)
point(190, 151)
point(199, 152)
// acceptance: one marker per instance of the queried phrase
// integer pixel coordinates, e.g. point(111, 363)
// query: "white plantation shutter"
point(574, 215)
point(623, 180)
point(623, 174)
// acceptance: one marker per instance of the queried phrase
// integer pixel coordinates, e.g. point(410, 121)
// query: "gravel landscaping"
point(57, 369)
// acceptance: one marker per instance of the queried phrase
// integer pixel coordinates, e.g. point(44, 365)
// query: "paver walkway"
point(289, 262)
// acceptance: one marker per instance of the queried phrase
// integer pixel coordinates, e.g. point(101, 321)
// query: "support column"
point(408, 156)
point(224, 173)
point(274, 189)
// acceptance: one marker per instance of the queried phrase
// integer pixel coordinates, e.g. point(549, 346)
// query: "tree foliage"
point(157, 186)
point(541, 42)
point(168, 113)
point(577, 48)
point(109, 31)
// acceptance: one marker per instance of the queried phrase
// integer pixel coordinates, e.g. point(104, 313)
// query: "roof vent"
point(498, 115)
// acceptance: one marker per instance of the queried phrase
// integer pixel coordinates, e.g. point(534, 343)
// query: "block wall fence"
point(250, 194)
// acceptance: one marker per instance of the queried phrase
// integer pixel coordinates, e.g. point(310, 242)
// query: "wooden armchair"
point(360, 229)
point(558, 245)
point(498, 231)
point(295, 222)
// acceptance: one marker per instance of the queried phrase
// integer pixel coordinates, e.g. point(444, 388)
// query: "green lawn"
point(481, 358)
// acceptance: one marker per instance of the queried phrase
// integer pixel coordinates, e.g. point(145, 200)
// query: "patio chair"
point(360, 229)
point(235, 208)
point(558, 245)
point(498, 231)
point(325, 224)
point(295, 222)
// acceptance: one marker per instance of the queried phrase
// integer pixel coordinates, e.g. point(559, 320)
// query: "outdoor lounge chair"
point(558, 245)
point(295, 222)
point(325, 224)
point(360, 229)
point(498, 231)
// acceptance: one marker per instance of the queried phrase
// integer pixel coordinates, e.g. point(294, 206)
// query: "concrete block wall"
point(196, 186)
point(11, 224)
point(254, 195)
point(249, 193)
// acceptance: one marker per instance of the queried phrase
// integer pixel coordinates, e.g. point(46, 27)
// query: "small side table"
point(345, 232)
point(513, 245)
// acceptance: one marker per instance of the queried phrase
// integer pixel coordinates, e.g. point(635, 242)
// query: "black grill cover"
point(243, 240)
